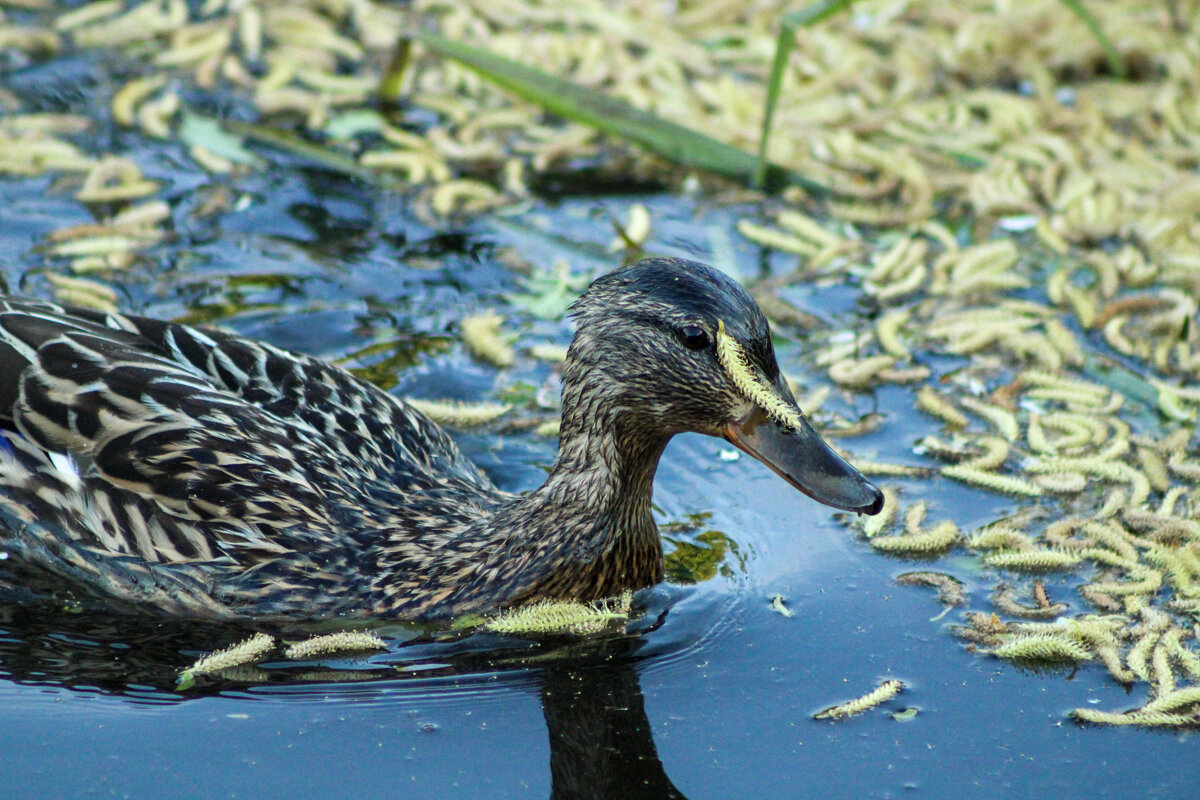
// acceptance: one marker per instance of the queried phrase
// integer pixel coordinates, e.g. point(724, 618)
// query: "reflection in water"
point(601, 746)
point(600, 742)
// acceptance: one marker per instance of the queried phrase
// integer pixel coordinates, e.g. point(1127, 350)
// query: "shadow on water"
point(600, 741)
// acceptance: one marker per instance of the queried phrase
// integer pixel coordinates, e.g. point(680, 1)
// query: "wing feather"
point(219, 444)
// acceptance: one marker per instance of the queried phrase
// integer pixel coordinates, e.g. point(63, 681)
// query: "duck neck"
point(591, 526)
point(605, 468)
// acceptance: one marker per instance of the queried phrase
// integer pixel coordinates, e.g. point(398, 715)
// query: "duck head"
point(668, 346)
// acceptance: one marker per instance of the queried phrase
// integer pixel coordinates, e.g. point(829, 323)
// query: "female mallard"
point(159, 466)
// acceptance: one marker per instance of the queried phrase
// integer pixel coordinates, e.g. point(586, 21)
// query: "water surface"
point(710, 697)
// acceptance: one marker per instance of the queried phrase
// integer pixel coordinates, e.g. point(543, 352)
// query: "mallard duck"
point(157, 466)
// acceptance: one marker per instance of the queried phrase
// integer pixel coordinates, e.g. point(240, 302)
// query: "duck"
point(156, 467)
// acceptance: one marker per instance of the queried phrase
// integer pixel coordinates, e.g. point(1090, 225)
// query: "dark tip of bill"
point(876, 504)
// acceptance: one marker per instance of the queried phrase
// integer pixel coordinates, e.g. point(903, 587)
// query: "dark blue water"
point(712, 699)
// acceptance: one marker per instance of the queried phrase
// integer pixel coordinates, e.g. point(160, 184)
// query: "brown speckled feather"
point(184, 471)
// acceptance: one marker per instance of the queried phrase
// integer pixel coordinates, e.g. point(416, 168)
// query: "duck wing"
point(235, 442)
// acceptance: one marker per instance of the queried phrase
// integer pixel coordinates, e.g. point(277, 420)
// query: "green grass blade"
point(669, 140)
point(314, 153)
point(809, 15)
point(1115, 63)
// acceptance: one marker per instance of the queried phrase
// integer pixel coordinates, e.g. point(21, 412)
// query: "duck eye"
point(693, 337)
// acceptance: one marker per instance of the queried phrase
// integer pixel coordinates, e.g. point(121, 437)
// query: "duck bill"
point(803, 459)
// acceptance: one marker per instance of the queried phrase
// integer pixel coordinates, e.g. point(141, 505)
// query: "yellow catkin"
point(1113, 536)
point(929, 401)
point(1150, 719)
point(553, 353)
point(886, 691)
point(1107, 557)
point(1189, 470)
point(550, 428)
point(910, 282)
point(1004, 599)
point(1139, 655)
point(882, 468)
point(1062, 482)
point(1063, 340)
point(1146, 582)
point(245, 652)
point(1110, 657)
point(898, 260)
point(941, 536)
point(1076, 430)
point(859, 372)
point(915, 515)
point(481, 334)
point(463, 194)
point(887, 331)
point(995, 452)
point(1185, 657)
point(873, 526)
point(1004, 420)
point(1041, 647)
point(457, 414)
point(1000, 536)
point(1172, 496)
point(950, 589)
point(333, 644)
point(127, 98)
point(776, 239)
point(1164, 678)
point(1154, 468)
point(561, 616)
point(994, 481)
point(1176, 699)
point(100, 245)
point(1033, 560)
point(809, 228)
point(750, 384)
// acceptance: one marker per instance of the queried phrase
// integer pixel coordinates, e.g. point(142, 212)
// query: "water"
point(712, 697)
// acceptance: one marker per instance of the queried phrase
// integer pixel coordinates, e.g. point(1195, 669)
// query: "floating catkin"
point(244, 652)
point(1139, 655)
point(886, 691)
point(1041, 647)
point(929, 401)
point(560, 616)
point(914, 516)
point(1179, 698)
point(995, 451)
point(949, 588)
point(1164, 678)
point(1004, 598)
point(481, 333)
point(940, 537)
point(993, 481)
point(885, 469)
point(1148, 719)
point(333, 644)
point(1000, 536)
point(873, 526)
point(1183, 656)
point(458, 414)
point(553, 353)
point(1002, 419)
point(1033, 560)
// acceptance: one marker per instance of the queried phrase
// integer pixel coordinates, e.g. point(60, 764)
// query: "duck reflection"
point(600, 742)
point(600, 739)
